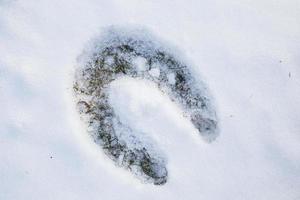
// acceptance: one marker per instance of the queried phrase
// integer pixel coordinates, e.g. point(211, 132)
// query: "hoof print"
point(135, 53)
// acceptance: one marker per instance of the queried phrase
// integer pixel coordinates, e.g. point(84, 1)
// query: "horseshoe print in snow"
point(135, 53)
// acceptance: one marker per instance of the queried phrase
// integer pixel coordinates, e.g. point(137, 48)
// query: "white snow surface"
point(247, 52)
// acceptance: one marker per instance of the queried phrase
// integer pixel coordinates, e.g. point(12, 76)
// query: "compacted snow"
point(245, 52)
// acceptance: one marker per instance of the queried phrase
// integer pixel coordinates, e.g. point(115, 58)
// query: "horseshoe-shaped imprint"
point(136, 53)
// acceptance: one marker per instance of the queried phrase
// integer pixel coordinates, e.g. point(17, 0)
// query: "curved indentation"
point(136, 54)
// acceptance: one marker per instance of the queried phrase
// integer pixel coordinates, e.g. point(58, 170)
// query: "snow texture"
point(247, 53)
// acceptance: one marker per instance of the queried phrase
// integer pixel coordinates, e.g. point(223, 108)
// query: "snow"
point(154, 72)
point(171, 78)
point(140, 63)
point(247, 52)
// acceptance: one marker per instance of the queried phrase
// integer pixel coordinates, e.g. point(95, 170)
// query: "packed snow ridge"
point(136, 53)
